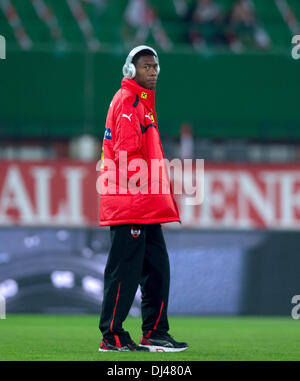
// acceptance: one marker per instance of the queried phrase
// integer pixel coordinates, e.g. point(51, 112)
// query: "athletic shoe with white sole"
point(105, 346)
point(162, 343)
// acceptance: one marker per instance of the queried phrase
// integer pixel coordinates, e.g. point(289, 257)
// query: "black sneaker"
point(105, 346)
point(162, 343)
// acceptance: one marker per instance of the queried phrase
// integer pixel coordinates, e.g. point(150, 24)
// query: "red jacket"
point(131, 126)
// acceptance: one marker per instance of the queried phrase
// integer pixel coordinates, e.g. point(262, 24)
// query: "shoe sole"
point(119, 350)
point(156, 348)
point(113, 350)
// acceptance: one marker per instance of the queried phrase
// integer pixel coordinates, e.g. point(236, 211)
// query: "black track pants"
point(138, 255)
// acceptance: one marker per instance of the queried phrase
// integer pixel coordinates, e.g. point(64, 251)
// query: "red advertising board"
point(247, 196)
point(48, 193)
point(242, 196)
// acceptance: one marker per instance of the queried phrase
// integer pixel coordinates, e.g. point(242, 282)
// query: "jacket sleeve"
point(128, 135)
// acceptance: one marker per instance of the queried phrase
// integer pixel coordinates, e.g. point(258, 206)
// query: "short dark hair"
point(144, 52)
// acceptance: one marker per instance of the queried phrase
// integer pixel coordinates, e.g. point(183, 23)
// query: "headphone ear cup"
point(158, 69)
point(125, 70)
point(129, 71)
point(132, 70)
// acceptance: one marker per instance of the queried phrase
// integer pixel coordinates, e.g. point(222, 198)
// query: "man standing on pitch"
point(138, 253)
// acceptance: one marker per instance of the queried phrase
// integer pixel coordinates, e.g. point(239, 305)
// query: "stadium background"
point(227, 93)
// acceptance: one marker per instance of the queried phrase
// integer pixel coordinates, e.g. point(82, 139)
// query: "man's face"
point(146, 72)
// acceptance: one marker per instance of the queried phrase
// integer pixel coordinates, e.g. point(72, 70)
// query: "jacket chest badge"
point(135, 232)
point(144, 95)
point(150, 117)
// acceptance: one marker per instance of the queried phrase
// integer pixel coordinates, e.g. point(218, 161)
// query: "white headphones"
point(129, 70)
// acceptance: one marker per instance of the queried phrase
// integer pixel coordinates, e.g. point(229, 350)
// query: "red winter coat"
point(131, 126)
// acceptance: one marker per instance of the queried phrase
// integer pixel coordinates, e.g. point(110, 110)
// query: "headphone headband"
point(136, 50)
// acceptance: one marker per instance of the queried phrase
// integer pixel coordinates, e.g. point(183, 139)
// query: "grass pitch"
point(76, 338)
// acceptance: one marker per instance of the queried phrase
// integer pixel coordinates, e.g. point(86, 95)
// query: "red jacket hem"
point(140, 221)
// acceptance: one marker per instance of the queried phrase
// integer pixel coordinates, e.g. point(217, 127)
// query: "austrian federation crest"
point(135, 232)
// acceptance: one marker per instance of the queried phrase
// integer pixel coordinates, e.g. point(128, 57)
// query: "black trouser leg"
point(121, 279)
point(155, 282)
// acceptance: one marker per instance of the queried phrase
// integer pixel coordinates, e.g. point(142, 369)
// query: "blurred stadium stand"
point(64, 64)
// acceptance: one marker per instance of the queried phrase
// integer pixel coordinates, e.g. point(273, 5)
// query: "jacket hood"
point(147, 96)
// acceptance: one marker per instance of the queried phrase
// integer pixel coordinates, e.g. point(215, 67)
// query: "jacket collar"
point(147, 96)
